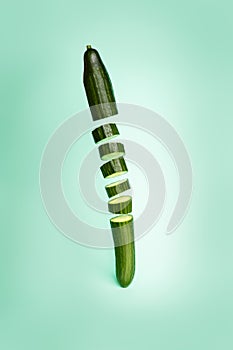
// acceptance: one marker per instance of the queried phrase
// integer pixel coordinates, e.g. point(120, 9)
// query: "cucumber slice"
point(123, 236)
point(111, 150)
point(114, 167)
point(120, 205)
point(98, 86)
point(117, 187)
point(105, 132)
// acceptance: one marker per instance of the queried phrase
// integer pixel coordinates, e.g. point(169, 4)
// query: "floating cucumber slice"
point(120, 205)
point(111, 150)
point(117, 187)
point(105, 132)
point(114, 167)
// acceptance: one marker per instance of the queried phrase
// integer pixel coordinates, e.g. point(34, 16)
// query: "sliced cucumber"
point(105, 132)
point(111, 150)
point(102, 104)
point(120, 205)
point(123, 236)
point(98, 86)
point(114, 167)
point(117, 187)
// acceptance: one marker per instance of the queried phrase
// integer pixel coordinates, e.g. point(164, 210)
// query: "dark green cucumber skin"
point(105, 131)
point(124, 254)
point(113, 191)
point(113, 166)
point(125, 264)
point(98, 86)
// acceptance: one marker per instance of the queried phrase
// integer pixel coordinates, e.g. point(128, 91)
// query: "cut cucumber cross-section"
point(120, 205)
point(114, 167)
point(123, 236)
point(105, 132)
point(117, 187)
point(111, 150)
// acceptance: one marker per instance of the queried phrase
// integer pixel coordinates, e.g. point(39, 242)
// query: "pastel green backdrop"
point(174, 57)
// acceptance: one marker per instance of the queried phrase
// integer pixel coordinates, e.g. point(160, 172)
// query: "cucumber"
point(105, 132)
point(123, 232)
point(98, 86)
point(120, 205)
point(114, 167)
point(117, 187)
point(102, 104)
point(111, 150)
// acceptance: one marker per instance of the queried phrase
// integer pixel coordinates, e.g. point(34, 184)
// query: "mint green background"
point(174, 57)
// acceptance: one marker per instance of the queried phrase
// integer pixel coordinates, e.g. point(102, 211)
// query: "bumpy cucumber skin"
point(125, 253)
point(98, 86)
